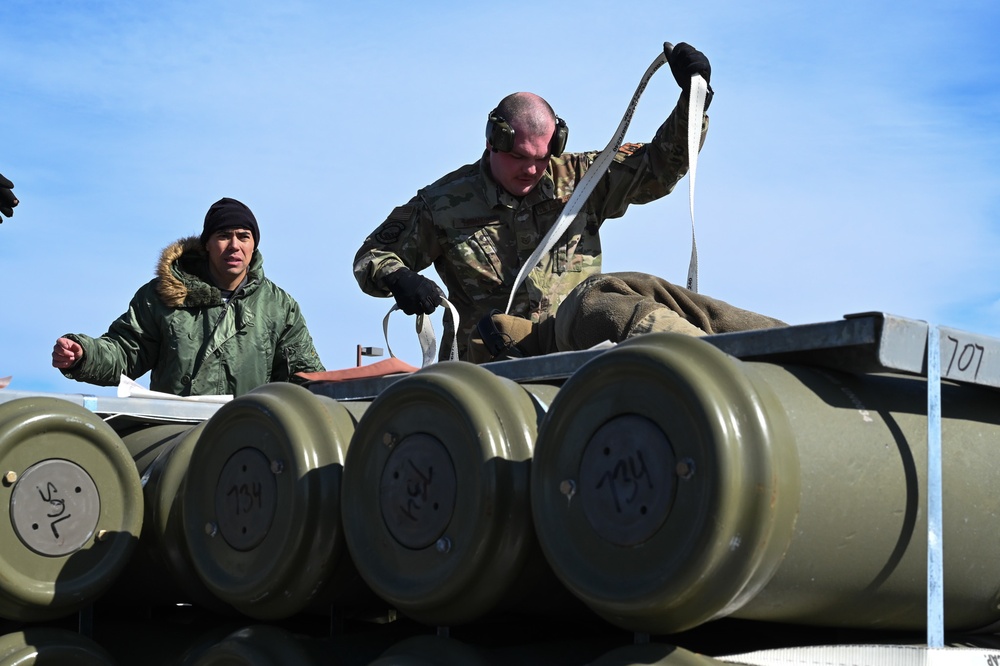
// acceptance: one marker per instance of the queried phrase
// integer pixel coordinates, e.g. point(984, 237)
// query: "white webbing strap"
point(696, 109)
point(603, 161)
point(425, 334)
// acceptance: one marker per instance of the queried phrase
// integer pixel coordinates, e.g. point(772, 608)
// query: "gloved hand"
point(413, 292)
point(7, 198)
point(686, 61)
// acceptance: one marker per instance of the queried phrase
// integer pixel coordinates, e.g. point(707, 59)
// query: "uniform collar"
point(496, 196)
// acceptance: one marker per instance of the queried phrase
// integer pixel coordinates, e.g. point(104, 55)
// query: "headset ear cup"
point(558, 143)
point(499, 133)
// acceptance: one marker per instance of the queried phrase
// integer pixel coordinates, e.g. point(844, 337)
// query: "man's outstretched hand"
point(66, 353)
point(686, 61)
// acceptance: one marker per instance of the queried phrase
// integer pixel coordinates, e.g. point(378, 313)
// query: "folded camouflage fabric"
point(617, 306)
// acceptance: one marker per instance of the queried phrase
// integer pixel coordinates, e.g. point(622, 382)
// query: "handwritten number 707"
point(970, 352)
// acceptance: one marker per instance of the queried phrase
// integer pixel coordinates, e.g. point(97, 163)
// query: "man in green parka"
point(210, 323)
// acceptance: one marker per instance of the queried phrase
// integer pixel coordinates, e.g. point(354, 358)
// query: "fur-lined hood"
point(183, 275)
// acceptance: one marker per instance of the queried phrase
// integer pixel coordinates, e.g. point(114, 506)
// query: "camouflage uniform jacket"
point(477, 235)
point(179, 327)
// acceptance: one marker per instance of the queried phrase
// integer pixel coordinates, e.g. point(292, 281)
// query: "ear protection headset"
point(501, 135)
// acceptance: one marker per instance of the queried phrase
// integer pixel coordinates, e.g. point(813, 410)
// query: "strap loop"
point(425, 334)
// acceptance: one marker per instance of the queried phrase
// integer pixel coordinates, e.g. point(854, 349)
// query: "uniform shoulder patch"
point(401, 212)
point(629, 148)
point(389, 232)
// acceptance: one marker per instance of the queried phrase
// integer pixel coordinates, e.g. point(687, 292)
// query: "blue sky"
point(852, 162)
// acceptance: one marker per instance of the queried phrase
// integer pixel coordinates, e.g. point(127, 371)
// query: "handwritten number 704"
point(56, 504)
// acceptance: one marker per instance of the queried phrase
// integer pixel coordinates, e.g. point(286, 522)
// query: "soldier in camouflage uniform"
point(478, 224)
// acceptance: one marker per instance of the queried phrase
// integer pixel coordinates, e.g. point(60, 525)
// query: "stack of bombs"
point(663, 485)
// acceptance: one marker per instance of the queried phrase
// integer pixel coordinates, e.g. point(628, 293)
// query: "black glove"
point(686, 61)
point(7, 198)
point(413, 292)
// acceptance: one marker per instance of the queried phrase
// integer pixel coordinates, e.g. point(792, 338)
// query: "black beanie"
point(229, 213)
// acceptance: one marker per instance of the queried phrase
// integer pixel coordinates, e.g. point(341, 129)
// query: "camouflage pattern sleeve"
point(645, 172)
point(405, 239)
point(668, 151)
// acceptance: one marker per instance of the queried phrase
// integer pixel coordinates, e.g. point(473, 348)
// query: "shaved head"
point(525, 146)
point(527, 113)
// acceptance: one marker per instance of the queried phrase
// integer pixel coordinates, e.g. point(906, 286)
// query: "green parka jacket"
point(178, 326)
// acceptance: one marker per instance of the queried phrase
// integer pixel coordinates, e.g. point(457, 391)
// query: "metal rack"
point(151, 410)
point(866, 342)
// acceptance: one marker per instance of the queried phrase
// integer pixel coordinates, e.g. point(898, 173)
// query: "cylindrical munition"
point(49, 645)
point(161, 570)
point(858, 554)
point(146, 442)
point(260, 645)
point(436, 510)
point(673, 484)
point(427, 649)
point(74, 508)
point(261, 500)
point(664, 485)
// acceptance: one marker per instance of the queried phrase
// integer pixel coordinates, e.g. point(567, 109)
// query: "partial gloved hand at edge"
point(686, 61)
point(7, 198)
point(414, 293)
